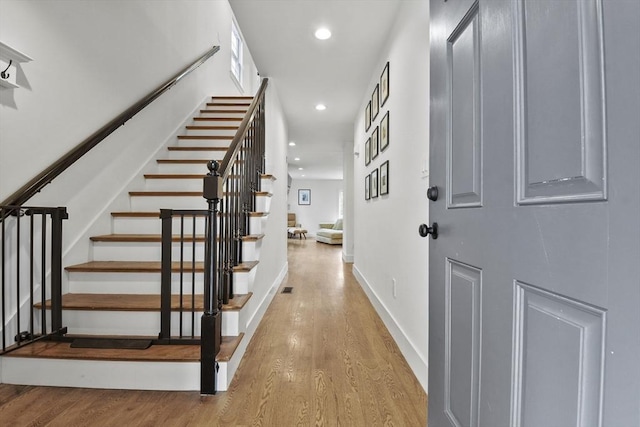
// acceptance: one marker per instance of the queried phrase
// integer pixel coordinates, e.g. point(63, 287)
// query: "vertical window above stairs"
point(237, 47)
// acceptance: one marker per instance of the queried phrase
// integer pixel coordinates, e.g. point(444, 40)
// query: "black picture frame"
point(375, 103)
point(384, 178)
point(375, 147)
point(374, 183)
point(367, 152)
point(384, 85)
point(384, 132)
point(367, 117)
point(367, 187)
point(304, 196)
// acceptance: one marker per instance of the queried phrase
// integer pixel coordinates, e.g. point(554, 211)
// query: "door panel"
point(534, 293)
point(464, 142)
point(462, 342)
point(560, 98)
point(560, 381)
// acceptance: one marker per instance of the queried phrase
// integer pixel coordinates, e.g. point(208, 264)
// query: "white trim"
point(417, 362)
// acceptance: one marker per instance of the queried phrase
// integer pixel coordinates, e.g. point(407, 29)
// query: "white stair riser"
point(263, 203)
point(199, 168)
point(147, 283)
point(147, 323)
point(130, 225)
point(224, 121)
point(266, 185)
point(216, 106)
point(152, 251)
point(155, 203)
point(192, 184)
point(257, 224)
point(144, 251)
point(188, 155)
point(222, 132)
point(124, 375)
point(218, 112)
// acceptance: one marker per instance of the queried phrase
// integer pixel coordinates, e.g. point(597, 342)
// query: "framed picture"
point(384, 85)
point(367, 152)
point(375, 104)
point(375, 148)
point(367, 187)
point(304, 197)
point(367, 117)
point(384, 178)
point(384, 132)
point(374, 183)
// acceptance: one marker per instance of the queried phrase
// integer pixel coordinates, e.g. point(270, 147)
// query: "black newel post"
point(211, 331)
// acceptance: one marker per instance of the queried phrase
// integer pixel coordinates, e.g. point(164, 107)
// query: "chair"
point(293, 228)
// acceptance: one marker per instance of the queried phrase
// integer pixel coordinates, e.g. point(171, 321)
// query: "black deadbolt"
point(425, 230)
point(432, 193)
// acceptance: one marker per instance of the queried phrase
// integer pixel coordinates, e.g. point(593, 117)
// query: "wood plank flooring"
point(320, 357)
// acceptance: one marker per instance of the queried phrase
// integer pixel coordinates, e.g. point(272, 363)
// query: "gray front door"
point(534, 303)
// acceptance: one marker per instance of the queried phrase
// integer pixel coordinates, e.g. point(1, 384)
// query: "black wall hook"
point(4, 73)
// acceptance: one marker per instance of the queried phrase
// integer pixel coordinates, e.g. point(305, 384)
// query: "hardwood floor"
point(320, 357)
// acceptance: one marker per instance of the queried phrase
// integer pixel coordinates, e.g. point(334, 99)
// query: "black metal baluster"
point(3, 219)
point(31, 274)
point(193, 278)
point(43, 278)
point(58, 216)
point(181, 272)
point(19, 212)
point(166, 215)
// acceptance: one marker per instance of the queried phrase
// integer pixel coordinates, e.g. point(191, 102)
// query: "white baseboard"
point(255, 319)
point(348, 258)
point(417, 362)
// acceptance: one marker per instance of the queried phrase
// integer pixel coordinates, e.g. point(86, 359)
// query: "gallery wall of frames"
point(376, 125)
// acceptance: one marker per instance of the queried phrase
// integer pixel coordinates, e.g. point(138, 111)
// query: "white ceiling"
point(307, 71)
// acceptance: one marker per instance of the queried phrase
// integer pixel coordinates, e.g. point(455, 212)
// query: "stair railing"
point(230, 189)
point(29, 251)
point(16, 290)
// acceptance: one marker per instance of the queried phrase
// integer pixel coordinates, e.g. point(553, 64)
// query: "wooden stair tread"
point(184, 148)
point(144, 267)
point(143, 238)
point(228, 104)
point(218, 137)
point(203, 127)
point(136, 214)
point(166, 193)
point(223, 111)
point(183, 161)
point(138, 302)
point(174, 176)
point(268, 176)
point(157, 238)
point(217, 119)
point(155, 353)
point(232, 97)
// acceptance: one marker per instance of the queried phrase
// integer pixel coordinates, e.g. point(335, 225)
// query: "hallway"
point(321, 356)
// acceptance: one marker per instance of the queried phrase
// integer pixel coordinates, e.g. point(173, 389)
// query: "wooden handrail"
point(225, 168)
point(46, 176)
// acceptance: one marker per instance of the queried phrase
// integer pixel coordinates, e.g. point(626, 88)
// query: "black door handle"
point(432, 193)
point(425, 230)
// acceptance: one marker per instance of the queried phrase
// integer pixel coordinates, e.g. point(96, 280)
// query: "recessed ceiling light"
point(321, 107)
point(297, 159)
point(303, 175)
point(323, 33)
point(291, 144)
point(300, 169)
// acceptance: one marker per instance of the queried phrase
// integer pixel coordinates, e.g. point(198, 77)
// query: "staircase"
point(113, 300)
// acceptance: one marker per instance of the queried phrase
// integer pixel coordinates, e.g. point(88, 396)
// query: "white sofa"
point(330, 233)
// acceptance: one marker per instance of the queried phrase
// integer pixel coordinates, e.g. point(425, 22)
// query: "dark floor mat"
point(129, 344)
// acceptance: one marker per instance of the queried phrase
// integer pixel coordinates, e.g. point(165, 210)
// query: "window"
point(236, 53)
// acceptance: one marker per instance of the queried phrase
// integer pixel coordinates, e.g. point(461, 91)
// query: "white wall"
point(347, 235)
point(324, 202)
point(92, 60)
point(387, 245)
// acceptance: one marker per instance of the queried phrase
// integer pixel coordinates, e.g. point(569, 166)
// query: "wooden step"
point(223, 111)
point(204, 127)
point(232, 97)
point(217, 119)
point(228, 104)
point(157, 238)
point(153, 238)
point(157, 214)
point(145, 267)
point(173, 176)
point(165, 193)
point(139, 302)
point(183, 161)
point(268, 176)
point(216, 137)
point(183, 148)
point(155, 353)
